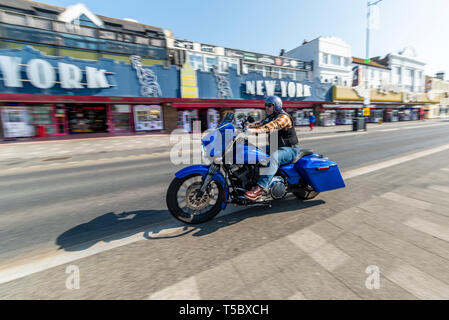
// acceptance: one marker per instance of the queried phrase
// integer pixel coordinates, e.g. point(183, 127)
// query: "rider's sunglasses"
point(269, 105)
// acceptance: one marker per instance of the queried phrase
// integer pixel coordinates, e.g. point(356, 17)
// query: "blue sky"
point(267, 26)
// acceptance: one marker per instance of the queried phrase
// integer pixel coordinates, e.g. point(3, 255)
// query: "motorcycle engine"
point(277, 188)
point(243, 176)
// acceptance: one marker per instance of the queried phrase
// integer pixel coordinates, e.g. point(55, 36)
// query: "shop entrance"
point(202, 116)
point(329, 118)
point(87, 118)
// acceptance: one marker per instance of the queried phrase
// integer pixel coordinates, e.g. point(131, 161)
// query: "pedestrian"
point(312, 120)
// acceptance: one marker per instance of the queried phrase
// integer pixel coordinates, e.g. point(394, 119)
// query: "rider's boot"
point(255, 193)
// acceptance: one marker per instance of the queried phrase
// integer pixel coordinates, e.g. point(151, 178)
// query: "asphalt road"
point(67, 206)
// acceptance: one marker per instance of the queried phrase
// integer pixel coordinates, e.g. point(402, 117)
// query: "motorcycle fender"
point(203, 170)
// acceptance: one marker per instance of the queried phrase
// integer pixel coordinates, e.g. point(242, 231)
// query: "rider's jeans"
point(283, 156)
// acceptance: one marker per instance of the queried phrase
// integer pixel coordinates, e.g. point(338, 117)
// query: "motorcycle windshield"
point(215, 142)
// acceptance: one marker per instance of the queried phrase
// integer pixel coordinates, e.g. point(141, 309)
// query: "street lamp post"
point(367, 101)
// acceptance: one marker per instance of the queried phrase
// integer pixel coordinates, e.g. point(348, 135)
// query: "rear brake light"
point(323, 168)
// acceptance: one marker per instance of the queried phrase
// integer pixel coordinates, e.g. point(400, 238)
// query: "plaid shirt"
point(282, 121)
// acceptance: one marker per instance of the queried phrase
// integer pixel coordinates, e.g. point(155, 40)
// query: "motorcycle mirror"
point(251, 119)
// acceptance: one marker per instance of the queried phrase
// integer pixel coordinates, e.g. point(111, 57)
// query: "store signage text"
point(41, 74)
point(268, 88)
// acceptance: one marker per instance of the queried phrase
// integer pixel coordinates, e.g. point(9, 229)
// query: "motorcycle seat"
point(303, 153)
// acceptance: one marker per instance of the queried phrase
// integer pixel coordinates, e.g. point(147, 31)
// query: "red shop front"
point(66, 115)
point(210, 111)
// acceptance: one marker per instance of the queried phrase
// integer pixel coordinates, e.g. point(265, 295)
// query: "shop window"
point(29, 34)
point(14, 18)
point(335, 60)
point(43, 116)
point(147, 118)
point(121, 117)
point(87, 119)
point(196, 60)
point(186, 119)
point(76, 41)
point(115, 46)
point(275, 73)
point(16, 121)
point(211, 63)
point(287, 73)
point(300, 75)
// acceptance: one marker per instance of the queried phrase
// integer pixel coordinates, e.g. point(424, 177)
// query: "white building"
point(438, 86)
point(407, 71)
point(331, 59)
point(376, 73)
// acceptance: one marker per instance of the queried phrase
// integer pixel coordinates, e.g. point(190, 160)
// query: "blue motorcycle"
point(199, 192)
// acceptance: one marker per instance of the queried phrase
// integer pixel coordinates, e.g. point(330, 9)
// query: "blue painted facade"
point(124, 81)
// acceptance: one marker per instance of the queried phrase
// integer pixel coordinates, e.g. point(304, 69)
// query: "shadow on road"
point(107, 226)
point(111, 226)
point(236, 217)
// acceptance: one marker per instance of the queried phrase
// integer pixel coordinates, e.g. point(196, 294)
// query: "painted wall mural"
point(32, 72)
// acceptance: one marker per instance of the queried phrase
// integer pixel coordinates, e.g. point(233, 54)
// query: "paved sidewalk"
point(106, 136)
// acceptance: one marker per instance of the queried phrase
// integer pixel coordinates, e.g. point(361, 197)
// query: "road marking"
point(334, 136)
point(16, 270)
point(435, 230)
point(82, 163)
point(439, 188)
point(392, 162)
point(387, 130)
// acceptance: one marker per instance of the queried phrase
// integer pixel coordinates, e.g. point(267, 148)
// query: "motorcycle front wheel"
point(184, 204)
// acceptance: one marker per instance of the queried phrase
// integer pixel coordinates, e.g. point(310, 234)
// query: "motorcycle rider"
point(281, 123)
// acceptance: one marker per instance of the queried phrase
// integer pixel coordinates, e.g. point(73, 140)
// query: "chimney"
point(282, 52)
point(305, 42)
point(440, 75)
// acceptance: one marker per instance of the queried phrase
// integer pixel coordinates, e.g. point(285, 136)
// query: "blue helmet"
point(277, 102)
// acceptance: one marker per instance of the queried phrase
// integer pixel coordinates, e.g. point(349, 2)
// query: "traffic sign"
point(366, 112)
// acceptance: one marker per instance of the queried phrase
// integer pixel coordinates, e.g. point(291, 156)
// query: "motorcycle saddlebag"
point(321, 173)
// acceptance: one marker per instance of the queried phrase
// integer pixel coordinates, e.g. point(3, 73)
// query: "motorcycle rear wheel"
point(306, 192)
point(184, 205)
